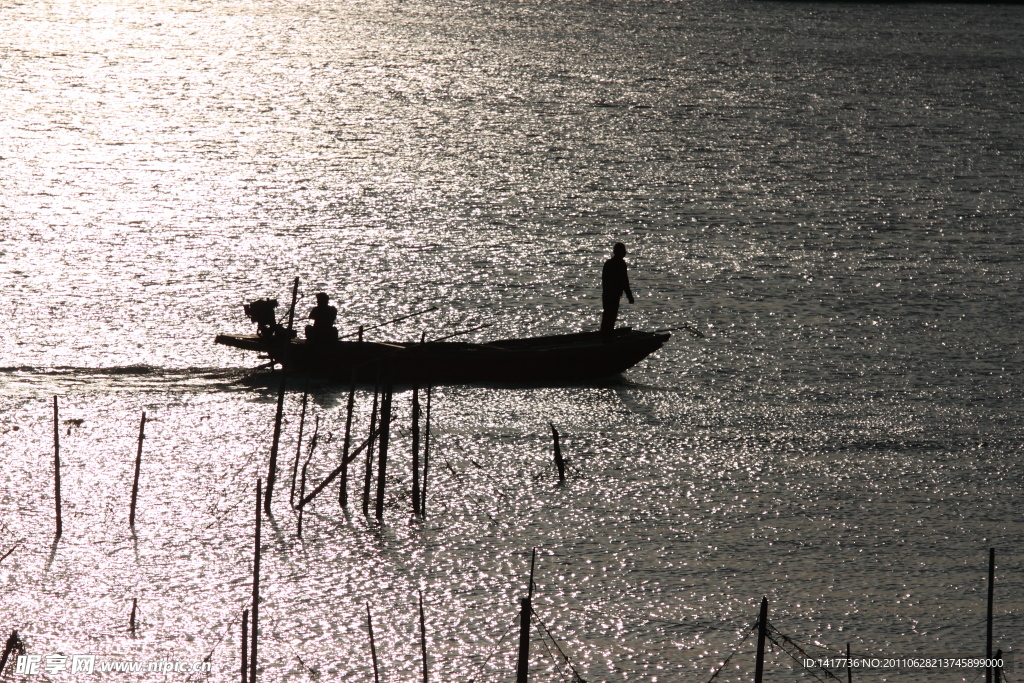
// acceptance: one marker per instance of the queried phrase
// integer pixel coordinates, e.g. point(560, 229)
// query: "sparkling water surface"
point(830, 192)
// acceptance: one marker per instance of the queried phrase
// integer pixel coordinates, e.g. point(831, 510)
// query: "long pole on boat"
point(272, 469)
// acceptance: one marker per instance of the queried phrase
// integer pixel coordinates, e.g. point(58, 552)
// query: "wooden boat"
point(558, 358)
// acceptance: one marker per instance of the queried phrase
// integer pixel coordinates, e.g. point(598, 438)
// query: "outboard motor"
point(262, 313)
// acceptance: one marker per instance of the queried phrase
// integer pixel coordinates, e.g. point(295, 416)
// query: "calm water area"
point(830, 192)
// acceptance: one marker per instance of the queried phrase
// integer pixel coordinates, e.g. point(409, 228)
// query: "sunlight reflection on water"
point(829, 192)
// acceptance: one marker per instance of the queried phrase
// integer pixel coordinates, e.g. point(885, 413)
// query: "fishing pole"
point(393, 320)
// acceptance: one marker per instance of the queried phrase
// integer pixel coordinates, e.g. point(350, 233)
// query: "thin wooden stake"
point(56, 467)
point(13, 645)
point(382, 462)
point(525, 612)
point(988, 620)
point(245, 646)
point(762, 632)
point(849, 665)
point(298, 445)
point(343, 487)
point(997, 670)
point(426, 458)
point(131, 619)
point(305, 466)
point(369, 452)
point(559, 463)
point(423, 638)
point(373, 646)
point(138, 467)
point(272, 468)
point(415, 450)
point(257, 554)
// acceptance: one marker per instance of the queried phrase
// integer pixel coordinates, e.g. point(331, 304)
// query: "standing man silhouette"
point(614, 281)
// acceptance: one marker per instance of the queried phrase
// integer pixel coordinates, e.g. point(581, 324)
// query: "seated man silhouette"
point(614, 281)
point(323, 316)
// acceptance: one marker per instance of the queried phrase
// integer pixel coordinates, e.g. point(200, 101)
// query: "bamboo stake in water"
point(257, 554)
point(245, 646)
point(559, 463)
point(369, 452)
point(423, 638)
point(138, 467)
point(416, 450)
point(13, 645)
point(762, 632)
point(305, 466)
point(525, 612)
point(343, 486)
point(373, 646)
point(849, 665)
point(56, 467)
point(382, 463)
point(426, 458)
point(131, 619)
point(988, 620)
point(298, 446)
point(272, 468)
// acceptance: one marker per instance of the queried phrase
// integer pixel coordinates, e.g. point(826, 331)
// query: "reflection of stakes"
point(56, 466)
point(131, 619)
point(138, 466)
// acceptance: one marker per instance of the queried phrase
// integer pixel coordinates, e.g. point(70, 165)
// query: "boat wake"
point(33, 379)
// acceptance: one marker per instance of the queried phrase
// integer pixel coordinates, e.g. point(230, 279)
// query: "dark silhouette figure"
point(614, 281)
point(323, 316)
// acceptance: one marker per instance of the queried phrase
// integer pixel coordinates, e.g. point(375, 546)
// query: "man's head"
point(620, 249)
point(322, 298)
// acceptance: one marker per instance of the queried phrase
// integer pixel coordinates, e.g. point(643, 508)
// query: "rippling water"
point(831, 192)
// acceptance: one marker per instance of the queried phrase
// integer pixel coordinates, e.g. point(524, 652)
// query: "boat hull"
point(561, 358)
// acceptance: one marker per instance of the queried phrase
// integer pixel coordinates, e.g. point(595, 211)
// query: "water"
point(830, 192)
